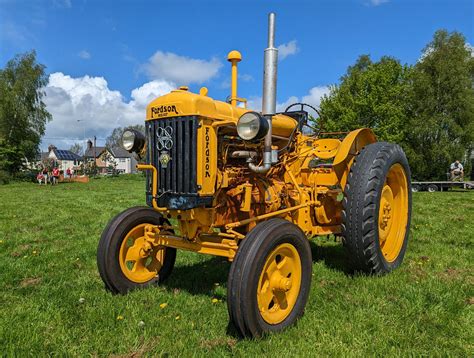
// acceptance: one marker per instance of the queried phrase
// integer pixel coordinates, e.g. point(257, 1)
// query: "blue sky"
point(102, 51)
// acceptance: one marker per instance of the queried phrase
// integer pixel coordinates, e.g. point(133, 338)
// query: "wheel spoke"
point(157, 261)
point(285, 266)
point(265, 298)
point(133, 253)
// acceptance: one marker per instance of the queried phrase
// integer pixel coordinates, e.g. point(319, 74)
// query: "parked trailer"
point(433, 186)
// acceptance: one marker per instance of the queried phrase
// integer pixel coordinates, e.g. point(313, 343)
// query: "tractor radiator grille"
point(176, 138)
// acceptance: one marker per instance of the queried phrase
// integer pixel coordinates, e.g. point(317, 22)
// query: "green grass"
point(48, 245)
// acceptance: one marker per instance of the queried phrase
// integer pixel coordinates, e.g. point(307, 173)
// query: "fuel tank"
point(180, 103)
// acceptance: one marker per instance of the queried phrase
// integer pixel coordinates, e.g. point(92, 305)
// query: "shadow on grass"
point(333, 256)
point(200, 278)
point(203, 277)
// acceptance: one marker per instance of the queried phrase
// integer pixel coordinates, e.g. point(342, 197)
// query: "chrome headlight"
point(133, 140)
point(252, 126)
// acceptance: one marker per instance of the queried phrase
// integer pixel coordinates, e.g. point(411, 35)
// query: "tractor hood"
point(179, 103)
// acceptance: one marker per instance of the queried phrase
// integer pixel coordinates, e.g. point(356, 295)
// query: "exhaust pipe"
point(270, 64)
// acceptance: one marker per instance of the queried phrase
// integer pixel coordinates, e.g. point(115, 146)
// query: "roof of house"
point(42, 155)
point(118, 152)
point(66, 155)
point(94, 152)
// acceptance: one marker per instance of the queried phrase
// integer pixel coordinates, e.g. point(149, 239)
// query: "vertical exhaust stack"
point(270, 64)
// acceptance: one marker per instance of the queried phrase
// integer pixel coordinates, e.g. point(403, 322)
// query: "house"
point(126, 162)
point(64, 158)
point(104, 157)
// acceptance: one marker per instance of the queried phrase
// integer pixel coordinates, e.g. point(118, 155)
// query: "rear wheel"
point(126, 260)
point(415, 188)
point(377, 208)
point(432, 188)
point(270, 278)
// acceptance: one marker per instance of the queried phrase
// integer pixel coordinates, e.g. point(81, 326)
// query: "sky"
point(107, 59)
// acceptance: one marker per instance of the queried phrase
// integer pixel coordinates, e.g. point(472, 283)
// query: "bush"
point(5, 177)
point(26, 176)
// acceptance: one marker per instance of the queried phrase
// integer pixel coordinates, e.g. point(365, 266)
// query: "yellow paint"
point(234, 57)
point(279, 284)
point(139, 260)
point(393, 213)
point(154, 183)
point(349, 148)
point(206, 244)
point(185, 103)
point(206, 159)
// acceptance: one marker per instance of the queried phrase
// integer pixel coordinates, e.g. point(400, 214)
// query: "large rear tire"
point(377, 208)
point(270, 279)
point(125, 260)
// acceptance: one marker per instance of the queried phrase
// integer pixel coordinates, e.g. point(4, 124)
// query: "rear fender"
point(349, 148)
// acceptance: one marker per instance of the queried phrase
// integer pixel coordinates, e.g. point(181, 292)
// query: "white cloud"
point(85, 106)
point(378, 2)
point(288, 49)
point(315, 95)
point(180, 69)
point(85, 55)
point(313, 98)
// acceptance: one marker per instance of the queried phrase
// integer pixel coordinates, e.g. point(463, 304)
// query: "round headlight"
point(128, 139)
point(252, 126)
point(133, 140)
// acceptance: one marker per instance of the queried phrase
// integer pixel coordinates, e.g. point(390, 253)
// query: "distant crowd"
point(51, 176)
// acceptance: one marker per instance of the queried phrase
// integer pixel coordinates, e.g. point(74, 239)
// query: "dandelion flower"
point(215, 300)
point(119, 318)
point(163, 305)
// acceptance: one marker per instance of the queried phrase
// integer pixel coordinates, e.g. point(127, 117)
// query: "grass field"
point(47, 268)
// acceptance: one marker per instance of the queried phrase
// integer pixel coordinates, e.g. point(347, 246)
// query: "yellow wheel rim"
point(139, 260)
point(279, 284)
point(393, 213)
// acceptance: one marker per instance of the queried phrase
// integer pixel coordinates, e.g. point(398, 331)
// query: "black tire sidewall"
point(258, 249)
point(397, 158)
point(111, 241)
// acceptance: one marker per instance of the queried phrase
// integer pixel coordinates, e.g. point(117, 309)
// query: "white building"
point(123, 161)
point(64, 158)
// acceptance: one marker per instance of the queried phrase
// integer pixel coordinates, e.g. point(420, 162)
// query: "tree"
point(115, 138)
point(428, 108)
point(441, 109)
point(76, 148)
point(23, 114)
point(371, 94)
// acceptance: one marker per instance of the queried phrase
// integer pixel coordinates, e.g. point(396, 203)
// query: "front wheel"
point(270, 279)
point(377, 208)
point(125, 259)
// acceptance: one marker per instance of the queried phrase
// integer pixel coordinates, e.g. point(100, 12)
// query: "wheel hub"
point(393, 213)
point(139, 259)
point(279, 284)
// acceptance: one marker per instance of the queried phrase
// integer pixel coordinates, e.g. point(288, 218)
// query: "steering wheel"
point(303, 105)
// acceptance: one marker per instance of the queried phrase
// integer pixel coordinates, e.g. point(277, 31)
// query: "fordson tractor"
point(254, 187)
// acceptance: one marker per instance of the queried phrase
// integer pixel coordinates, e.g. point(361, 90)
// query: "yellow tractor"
point(254, 187)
